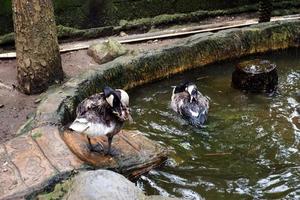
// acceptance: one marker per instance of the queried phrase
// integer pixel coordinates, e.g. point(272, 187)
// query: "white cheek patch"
point(190, 89)
point(110, 100)
point(124, 97)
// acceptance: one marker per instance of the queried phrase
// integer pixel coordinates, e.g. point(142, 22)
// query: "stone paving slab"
point(10, 179)
point(54, 148)
point(34, 168)
point(134, 153)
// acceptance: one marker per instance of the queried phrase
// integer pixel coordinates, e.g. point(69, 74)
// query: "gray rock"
point(106, 51)
point(106, 185)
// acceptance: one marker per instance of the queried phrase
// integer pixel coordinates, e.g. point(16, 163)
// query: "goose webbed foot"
point(95, 148)
point(110, 151)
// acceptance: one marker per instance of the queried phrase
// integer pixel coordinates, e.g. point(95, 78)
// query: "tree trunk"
point(265, 10)
point(38, 57)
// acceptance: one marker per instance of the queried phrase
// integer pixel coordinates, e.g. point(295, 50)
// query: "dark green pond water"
point(249, 148)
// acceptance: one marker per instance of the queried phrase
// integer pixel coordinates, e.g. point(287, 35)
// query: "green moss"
point(7, 39)
point(36, 135)
point(27, 126)
point(68, 32)
point(84, 14)
point(58, 192)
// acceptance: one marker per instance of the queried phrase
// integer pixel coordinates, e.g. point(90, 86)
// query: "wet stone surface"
point(54, 148)
point(134, 153)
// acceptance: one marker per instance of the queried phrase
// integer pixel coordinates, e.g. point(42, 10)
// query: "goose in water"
point(102, 114)
point(190, 103)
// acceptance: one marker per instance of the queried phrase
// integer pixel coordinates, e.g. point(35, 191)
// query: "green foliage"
point(5, 7)
point(95, 13)
point(140, 24)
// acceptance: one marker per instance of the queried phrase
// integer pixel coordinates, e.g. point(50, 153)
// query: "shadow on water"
point(249, 148)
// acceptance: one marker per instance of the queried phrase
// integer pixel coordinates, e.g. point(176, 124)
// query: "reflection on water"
point(249, 148)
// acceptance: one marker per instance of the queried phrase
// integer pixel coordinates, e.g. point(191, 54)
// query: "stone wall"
point(95, 13)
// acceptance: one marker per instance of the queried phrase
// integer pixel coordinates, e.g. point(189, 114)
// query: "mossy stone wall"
point(95, 13)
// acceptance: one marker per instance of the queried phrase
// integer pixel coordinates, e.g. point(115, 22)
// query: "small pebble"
point(1, 105)
point(37, 101)
point(123, 34)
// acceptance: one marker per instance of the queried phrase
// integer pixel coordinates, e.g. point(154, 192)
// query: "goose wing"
point(178, 100)
point(203, 100)
point(92, 103)
point(92, 111)
point(195, 113)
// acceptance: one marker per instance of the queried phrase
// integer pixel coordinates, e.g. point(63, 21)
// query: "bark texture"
point(38, 57)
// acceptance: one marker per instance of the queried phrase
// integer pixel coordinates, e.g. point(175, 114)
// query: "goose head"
point(188, 87)
point(192, 90)
point(179, 88)
point(118, 100)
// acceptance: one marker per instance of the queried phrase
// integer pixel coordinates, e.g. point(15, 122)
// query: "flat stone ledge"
point(54, 148)
point(135, 154)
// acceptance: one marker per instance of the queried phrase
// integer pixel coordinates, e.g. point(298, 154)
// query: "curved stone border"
point(58, 107)
point(32, 161)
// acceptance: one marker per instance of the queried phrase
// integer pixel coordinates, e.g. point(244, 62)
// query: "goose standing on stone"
point(102, 114)
point(190, 103)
